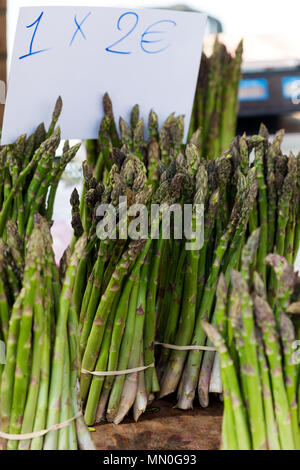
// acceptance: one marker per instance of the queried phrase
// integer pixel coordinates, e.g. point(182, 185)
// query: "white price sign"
point(149, 57)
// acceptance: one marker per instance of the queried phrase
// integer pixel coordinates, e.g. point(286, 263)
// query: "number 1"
point(37, 22)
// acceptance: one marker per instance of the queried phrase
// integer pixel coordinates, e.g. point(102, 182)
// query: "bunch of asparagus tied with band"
point(106, 315)
point(39, 406)
point(30, 173)
point(116, 289)
point(269, 188)
point(259, 363)
point(109, 298)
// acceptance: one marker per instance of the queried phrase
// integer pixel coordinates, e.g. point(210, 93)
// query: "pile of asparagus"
point(216, 99)
point(38, 380)
point(251, 185)
point(123, 303)
point(259, 364)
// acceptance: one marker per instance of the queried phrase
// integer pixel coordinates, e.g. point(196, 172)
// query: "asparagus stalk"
point(251, 368)
point(21, 381)
point(56, 380)
point(267, 325)
point(228, 371)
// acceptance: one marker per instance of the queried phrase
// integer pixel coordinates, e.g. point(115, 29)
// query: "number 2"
point(109, 48)
point(36, 22)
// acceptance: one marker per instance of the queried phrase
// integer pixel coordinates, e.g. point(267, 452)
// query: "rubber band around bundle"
point(116, 372)
point(139, 369)
point(32, 435)
point(185, 348)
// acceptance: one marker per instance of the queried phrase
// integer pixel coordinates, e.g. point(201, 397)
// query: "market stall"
point(171, 320)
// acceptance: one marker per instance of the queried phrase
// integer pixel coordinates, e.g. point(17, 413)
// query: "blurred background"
point(269, 90)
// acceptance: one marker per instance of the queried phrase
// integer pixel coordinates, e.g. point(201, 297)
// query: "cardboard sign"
point(149, 57)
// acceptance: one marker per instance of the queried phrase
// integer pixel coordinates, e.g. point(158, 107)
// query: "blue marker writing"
point(149, 32)
point(109, 48)
point(31, 52)
point(79, 28)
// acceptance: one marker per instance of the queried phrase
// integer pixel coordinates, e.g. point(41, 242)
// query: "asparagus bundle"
point(274, 210)
point(216, 101)
point(116, 308)
point(30, 176)
point(38, 382)
point(115, 291)
point(255, 343)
